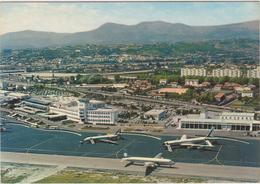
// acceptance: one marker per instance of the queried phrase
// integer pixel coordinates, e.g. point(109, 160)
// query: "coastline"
point(177, 132)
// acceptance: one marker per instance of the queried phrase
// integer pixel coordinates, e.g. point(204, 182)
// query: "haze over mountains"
point(142, 33)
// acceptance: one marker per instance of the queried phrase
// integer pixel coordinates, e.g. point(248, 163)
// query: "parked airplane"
point(197, 142)
point(2, 128)
point(150, 163)
point(109, 138)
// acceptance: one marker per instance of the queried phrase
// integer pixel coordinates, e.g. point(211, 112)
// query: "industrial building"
point(37, 104)
point(70, 113)
point(225, 121)
point(155, 114)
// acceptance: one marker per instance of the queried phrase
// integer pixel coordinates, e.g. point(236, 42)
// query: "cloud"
point(75, 17)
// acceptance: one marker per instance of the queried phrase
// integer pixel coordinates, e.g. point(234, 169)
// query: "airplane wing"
point(224, 138)
point(169, 148)
point(140, 134)
point(149, 170)
point(107, 141)
point(92, 141)
point(159, 155)
point(196, 145)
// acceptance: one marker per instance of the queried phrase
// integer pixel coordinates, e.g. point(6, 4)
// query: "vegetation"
point(14, 179)
point(79, 176)
point(247, 103)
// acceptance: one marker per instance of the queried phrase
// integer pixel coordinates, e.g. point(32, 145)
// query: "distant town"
point(93, 87)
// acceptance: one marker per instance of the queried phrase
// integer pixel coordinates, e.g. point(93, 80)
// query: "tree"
point(117, 78)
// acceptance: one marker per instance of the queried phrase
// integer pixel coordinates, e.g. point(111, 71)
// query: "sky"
point(76, 17)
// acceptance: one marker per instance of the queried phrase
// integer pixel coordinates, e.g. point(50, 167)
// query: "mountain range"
point(142, 33)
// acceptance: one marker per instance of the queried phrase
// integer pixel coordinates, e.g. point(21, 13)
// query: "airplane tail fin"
point(125, 155)
point(159, 155)
point(183, 137)
point(118, 131)
point(210, 132)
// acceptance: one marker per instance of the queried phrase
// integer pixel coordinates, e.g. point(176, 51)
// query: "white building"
point(226, 72)
point(248, 94)
point(71, 114)
point(3, 85)
point(254, 73)
point(226, 121)
point(163, 81)
point(193, 72)
point(192, 82)
point(96, 112)
point(155, 114)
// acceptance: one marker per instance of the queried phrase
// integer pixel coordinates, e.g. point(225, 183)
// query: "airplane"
point(150, 163)
point(197, 142)
point(109, 138)
point(2, 129)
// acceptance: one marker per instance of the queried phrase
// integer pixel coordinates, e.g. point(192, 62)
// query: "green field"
point(88, 176)
point(246, 103)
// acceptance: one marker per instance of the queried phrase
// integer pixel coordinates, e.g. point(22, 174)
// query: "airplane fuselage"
point(109, 136)
point(160, 161)
point(190, 140)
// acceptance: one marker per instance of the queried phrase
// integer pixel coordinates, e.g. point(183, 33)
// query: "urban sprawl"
point(95, 87)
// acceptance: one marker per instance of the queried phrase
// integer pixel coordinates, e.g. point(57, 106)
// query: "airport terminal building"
point(225, 121)
point(96, 112)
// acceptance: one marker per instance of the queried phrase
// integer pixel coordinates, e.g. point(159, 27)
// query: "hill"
point(142, 33)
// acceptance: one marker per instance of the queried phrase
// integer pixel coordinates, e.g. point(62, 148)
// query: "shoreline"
point(181, 169)
point(179, 132)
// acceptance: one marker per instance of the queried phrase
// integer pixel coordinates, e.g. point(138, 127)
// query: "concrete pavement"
point(251, 174)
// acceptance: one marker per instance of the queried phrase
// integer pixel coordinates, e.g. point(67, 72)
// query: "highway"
point(171, 102)
point(242, 174)
point(161, 101)
point(50, 74)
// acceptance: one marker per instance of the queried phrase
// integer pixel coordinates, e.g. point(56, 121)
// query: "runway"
point(246, 174)
point(31, 140)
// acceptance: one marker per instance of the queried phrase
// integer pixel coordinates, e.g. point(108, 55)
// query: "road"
point(249, 174)
point(147, 99)
point(161, 101)
point(50, 74)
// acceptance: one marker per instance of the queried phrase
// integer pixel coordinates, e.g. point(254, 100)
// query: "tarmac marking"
point(124, 148)
point(246, 174)
point(28, 149)
point(64, 131)
point(138, 134)
point(216, 157)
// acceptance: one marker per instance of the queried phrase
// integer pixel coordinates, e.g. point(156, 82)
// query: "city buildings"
point(254, 73)
point(192, 82)
point(193, 71)
point(225, 121)
point(231, 71)
point(172, 90)
point(226, 72)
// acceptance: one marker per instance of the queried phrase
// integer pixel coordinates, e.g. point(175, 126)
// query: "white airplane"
point(2, 128)
point(150, 163)
point(109, 138)
point(197, 142)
